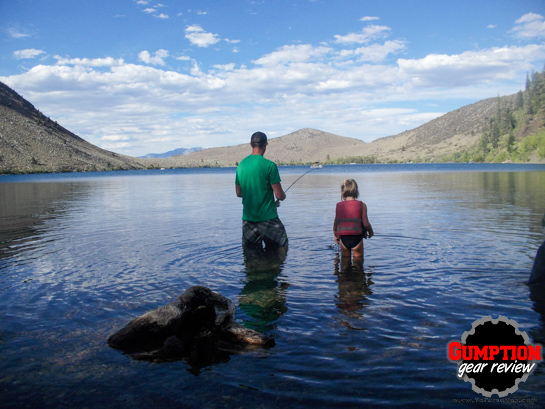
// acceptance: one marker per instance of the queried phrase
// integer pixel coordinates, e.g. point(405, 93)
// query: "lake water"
point(81, 254)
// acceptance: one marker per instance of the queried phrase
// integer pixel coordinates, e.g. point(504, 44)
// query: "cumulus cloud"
point(347, 86)
point(225, 67)
point(368, 33)
point(197, 36)
point(293, 53)
point(375, 52)
point(28, 53)
point(471, 67)
point(89, 62)
point(157, 58)
point(530, 25)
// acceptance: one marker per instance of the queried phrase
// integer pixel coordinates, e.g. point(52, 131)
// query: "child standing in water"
point(351, 224)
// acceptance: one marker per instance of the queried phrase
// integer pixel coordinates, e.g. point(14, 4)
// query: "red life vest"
point(348, 214)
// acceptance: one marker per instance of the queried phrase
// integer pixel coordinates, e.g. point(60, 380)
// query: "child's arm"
point(335, 230)
point(368, 228)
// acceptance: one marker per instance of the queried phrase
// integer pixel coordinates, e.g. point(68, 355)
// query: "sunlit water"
point(81, 254)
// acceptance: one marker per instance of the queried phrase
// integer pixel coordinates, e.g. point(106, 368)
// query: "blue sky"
point(138, 76)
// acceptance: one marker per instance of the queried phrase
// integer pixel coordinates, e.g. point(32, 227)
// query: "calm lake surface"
point(82, 254)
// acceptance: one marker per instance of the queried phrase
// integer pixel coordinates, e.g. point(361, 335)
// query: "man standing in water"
point(257, 182)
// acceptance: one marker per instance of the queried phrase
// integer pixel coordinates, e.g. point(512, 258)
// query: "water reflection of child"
point(351, 224)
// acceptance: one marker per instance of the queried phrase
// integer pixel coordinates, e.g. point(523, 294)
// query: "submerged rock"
point(537, 281)
point(538, 269)
point(199, 326)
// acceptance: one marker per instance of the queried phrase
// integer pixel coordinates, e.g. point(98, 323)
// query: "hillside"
point(32, 143)
point(303, 146)
point(451, 133)
point(496, 129)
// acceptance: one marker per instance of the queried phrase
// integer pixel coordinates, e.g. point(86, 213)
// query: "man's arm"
point(278, 191)
point(238, 190)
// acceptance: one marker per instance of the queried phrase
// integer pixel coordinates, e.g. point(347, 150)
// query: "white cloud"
point(530, 25)
point(156, 59)
point(28, 53)
point(153, 10)
point(14, 33)
point(367, 34)
point(89, 62)
point(348, 87)
point(491, 26)
point(375, 52)
point(369, 18)
point(471, 67)
point(197, 36)
point(225, 67)
point(293, 53)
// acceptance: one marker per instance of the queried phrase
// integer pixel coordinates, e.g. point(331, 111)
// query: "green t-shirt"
point(255, 175)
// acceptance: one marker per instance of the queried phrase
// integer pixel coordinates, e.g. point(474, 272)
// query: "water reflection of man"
point(354, 287)
point(263, 297)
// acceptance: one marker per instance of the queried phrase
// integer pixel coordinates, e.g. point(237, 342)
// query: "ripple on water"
point(448, 249)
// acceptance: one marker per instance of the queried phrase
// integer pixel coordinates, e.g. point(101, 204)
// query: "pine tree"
point(519, 103)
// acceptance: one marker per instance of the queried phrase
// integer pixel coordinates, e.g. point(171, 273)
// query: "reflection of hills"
point(27, 206)
point(263, 297)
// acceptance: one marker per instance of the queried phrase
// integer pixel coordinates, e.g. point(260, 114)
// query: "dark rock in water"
point(198, 326)
point(538, 270)
point(537, 281)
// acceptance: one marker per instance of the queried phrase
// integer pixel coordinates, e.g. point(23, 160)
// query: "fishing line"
point(311, 169)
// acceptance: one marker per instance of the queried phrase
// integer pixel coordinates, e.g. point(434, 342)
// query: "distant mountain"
point(303, 146)
point(175, 152)
point(30, 142)
point(453, 132)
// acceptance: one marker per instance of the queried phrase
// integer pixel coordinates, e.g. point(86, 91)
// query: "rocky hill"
point(303, 146)
point(32, 143)
point(455, 131)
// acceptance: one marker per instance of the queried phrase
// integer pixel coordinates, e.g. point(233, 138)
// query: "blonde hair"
point(349, 188)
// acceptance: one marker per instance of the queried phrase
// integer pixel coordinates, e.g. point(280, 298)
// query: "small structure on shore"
point(198, 327)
